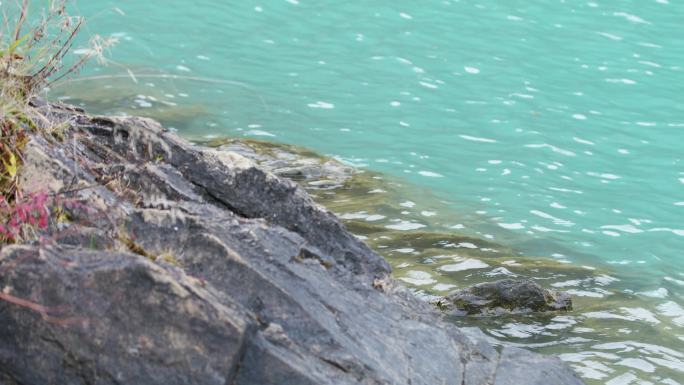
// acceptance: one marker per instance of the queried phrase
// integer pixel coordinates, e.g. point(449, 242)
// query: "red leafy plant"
point(21, 219)
point(33, 55)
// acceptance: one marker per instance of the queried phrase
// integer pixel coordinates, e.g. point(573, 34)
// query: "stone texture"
point(186, 265)
point(109, 317)
point(504, 297)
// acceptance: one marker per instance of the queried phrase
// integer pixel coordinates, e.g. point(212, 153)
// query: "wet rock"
point(504, 296)
point(186, 265)
point(314, 171)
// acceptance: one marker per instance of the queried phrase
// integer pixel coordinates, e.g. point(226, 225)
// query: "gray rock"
point(253, 283)
point(114, 318)
point(504, 297)
point(514, 363)
point(319, 173)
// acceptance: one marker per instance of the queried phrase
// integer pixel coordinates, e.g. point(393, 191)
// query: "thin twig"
point(22, 19)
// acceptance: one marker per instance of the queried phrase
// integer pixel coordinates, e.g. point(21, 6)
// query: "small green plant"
point(168, 257)
point(33, 49)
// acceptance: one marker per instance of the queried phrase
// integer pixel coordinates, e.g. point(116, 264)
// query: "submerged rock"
point(311, 170)
point(504, 296)
point(179, 264)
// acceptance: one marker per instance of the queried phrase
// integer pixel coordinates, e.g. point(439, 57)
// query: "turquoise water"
point(554, 127)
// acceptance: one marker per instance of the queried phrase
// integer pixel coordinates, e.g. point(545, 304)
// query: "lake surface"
point(553, 128)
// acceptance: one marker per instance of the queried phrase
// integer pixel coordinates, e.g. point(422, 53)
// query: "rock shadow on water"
point(174, 100)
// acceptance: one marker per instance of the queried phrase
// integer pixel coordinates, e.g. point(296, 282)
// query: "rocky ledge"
point(177, 264)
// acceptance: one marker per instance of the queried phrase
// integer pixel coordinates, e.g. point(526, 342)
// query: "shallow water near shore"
point(618, 329)
point(522, 138)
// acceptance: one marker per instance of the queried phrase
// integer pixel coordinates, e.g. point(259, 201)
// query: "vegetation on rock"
point(33, 54)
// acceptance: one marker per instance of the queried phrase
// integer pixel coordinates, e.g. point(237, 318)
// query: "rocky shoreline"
point(181, 264)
